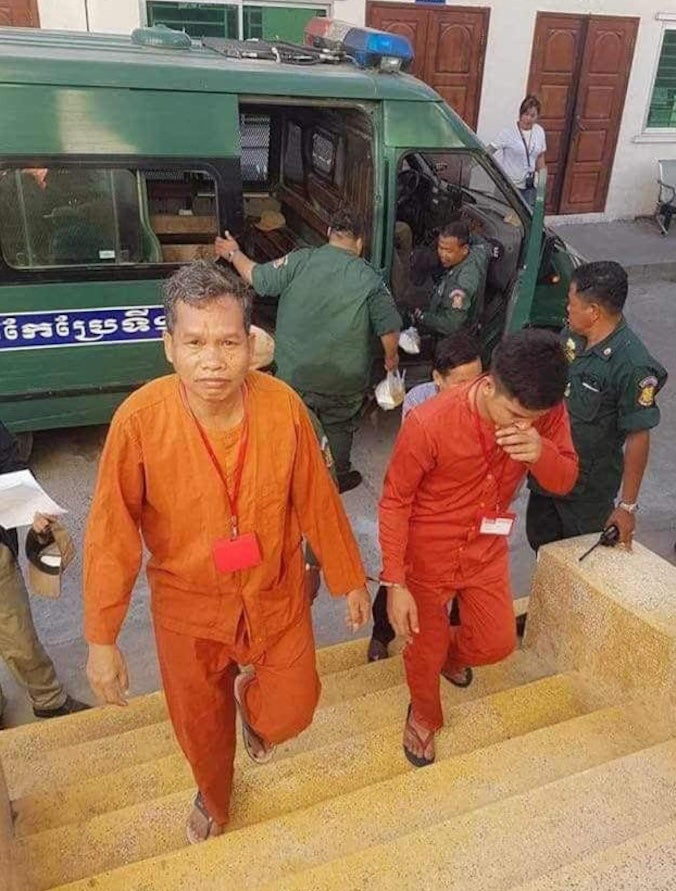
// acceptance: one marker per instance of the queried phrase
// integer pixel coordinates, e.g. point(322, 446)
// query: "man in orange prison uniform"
point(218, 470)
point(444, 517)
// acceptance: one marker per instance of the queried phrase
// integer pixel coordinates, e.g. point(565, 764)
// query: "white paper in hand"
point(21, 497)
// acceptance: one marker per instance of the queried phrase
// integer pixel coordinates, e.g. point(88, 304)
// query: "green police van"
point(121, 157)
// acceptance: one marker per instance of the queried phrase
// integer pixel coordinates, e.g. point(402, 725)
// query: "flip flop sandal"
point(190, 834)
point(249, 735)
point(465, 682)
point(377, 651)
point(418, 760)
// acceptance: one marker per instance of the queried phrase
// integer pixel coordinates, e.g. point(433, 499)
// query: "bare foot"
point(200, 826)
point(418, 739)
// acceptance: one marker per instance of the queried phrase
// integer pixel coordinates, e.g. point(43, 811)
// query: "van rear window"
point(93, 216)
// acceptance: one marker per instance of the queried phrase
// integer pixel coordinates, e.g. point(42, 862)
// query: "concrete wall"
point(632, 187)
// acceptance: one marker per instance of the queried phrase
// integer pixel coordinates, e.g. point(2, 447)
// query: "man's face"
point(504, 411)
point(209, 349)
point(461, 374)
point(581, 314)
point(451, 252)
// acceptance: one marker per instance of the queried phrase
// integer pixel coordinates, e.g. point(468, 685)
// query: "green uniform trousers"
point(20, 648)
point(339, 416)
point(553, 519)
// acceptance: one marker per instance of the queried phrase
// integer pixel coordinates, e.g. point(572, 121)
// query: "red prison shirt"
point(439, 485)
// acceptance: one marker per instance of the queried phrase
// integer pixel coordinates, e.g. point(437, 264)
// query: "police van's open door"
point(523, 292)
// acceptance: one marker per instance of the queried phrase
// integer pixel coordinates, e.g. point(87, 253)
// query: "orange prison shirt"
point(156, 480)
point(439, 485)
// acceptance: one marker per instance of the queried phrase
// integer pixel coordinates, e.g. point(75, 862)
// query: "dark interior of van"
point(300, 163)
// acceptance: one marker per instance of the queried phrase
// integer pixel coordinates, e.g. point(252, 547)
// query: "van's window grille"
point(255, 135)
point(323, 154)
point(82, 216)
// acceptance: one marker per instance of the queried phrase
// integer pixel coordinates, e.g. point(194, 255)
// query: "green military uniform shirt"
point(331, 304)
point(456, 301)
point(611, 393)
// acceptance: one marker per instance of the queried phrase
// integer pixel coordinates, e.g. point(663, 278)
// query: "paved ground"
point(65, 462)
point(638, 245)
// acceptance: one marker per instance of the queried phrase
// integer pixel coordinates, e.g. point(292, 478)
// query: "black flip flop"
point(469, 677)
point(417, 760)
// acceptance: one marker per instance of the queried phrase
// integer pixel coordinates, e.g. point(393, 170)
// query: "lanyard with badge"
point(235, 551)
point(497, 522)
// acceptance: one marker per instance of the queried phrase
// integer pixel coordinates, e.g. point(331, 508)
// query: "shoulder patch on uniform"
point(646, 391)
point(457, 298)
point(570, 348)
point(280, 261)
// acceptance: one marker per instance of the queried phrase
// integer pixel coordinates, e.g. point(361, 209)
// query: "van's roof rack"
point(272, 51)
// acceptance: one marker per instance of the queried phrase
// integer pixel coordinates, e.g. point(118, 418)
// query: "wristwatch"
point(630, 507)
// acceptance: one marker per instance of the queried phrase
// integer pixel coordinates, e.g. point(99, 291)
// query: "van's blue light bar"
point(369, 48)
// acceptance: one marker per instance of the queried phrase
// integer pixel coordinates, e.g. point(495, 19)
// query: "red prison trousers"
point(198, 677)
point(486, 633)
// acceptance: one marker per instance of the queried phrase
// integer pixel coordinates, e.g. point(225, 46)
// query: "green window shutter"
point(196, 19)
point(662, 111)
point(285, 23)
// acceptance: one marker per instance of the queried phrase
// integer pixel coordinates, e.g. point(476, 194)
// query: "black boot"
point(69, 707)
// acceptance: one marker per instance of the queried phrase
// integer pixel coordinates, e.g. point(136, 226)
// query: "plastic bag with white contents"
point(409, 341)
point(390, 392)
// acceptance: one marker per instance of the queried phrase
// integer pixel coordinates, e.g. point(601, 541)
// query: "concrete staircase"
point(556, 769)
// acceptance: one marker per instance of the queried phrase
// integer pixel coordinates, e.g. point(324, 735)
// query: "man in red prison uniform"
point(226, 566)
point(444, 517)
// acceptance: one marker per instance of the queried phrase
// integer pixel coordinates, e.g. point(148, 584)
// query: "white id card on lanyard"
point(497, 523)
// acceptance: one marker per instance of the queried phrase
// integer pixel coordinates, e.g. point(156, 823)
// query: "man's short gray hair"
point(199, 284)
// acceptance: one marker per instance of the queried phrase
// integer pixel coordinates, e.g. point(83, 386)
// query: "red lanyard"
point(231, 496)
point(484, 448)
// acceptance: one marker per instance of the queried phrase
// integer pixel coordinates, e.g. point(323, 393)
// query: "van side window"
point(89, 216)
point(255, 134)
point(293, 154)
point(323, 154)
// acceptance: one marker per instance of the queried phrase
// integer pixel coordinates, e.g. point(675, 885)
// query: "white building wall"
point(116, 16)
point(632, 189)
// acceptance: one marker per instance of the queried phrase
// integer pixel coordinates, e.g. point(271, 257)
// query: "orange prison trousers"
point(486, 633)
point(198, 677)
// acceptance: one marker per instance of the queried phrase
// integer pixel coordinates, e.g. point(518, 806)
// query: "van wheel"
point(24, 442)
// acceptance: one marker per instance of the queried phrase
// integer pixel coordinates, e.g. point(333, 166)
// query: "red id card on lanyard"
point(234, 552)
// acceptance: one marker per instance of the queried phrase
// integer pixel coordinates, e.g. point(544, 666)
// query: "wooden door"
point(602, 86)
point(558, 47)
point(410, 21)
point(579, 69)
point(449, 43)
point(456, 48)
point(19, 13)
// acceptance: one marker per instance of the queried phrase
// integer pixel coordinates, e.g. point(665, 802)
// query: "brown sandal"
point(418, 760)
point(256, 748)
point(213, 829)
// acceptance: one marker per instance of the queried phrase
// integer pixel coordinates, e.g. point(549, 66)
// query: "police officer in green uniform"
point(457, 299)
point(331, 304)
point(611, 401)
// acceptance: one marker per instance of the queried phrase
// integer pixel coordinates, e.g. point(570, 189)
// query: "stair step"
point(365, 826)
point(365, 712)
point(644, 862)
point(307, 778)
point(96, 723)
point(516, 839)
